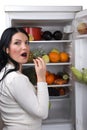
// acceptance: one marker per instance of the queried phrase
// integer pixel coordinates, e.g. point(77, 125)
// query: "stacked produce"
point(58, 79)
point(54, 56)
point(51, 78)
point(58, 91)
point(80, 75)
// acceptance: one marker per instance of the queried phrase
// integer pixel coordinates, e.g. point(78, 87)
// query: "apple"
point(46, 58)
point(55, 50)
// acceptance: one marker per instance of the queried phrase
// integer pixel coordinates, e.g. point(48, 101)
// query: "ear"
point(7, 50)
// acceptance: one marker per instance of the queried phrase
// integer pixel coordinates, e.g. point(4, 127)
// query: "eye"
point(27, 42)
point(17, 43)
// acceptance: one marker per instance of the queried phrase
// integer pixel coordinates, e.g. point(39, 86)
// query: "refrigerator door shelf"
point(81, 14)
point(80, 24)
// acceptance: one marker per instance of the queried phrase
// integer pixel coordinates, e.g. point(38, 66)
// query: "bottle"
point(57, 35)
point(47, 35)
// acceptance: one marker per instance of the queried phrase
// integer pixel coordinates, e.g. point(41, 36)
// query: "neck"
point(20, 68)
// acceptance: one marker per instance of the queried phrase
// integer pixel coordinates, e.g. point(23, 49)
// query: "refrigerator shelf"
point(63, 85)
point(59, 63)
point(56, 121)
point(51, 41)
point(55, 99)
point(59, 97)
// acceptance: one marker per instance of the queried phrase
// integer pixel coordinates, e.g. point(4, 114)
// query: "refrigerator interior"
point(61, 106)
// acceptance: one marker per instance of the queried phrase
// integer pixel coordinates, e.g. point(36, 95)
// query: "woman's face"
point(19, 48)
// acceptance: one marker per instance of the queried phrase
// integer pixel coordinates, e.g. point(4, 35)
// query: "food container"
point(82, 28)
point(34, 33)
point(68, 29)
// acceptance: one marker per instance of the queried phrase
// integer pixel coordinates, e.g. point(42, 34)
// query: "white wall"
point(37, 3)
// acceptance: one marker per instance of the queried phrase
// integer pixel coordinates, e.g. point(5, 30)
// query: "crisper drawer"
point(60, 111)
point(66, 126)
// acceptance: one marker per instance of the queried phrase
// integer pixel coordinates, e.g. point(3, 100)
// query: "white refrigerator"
point(67, 112)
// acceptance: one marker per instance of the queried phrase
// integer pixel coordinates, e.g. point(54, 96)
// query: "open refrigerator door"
point(80, 62)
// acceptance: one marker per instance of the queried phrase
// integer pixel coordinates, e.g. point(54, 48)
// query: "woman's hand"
point(40, 67)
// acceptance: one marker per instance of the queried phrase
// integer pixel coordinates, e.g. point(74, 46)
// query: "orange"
point(61, 91)
point(54, 57)
point(47, 73)
point(64, 57)
point(50, 78)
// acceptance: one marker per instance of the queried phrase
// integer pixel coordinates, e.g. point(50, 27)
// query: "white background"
point(36, 3)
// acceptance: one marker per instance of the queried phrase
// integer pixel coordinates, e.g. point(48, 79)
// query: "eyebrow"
point(21, 40)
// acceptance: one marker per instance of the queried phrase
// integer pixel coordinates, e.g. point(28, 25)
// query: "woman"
point(22, 106)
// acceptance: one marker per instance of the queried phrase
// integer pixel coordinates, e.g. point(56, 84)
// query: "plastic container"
point(34, 33)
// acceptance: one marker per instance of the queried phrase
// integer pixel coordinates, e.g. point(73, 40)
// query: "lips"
point(24, 54)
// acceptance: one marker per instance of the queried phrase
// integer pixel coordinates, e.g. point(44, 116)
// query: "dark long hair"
point(4, 43)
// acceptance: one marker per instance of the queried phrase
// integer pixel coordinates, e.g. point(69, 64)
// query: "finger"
point(35, 62)
point(38, 61)
point(42, 62)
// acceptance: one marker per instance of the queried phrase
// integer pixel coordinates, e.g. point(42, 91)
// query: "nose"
point(24, 46)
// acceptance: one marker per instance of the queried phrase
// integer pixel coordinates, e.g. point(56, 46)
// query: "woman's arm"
point(33, 103)
point(24, 94)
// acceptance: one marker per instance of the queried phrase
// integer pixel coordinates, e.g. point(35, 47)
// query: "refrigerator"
point(68, 111)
